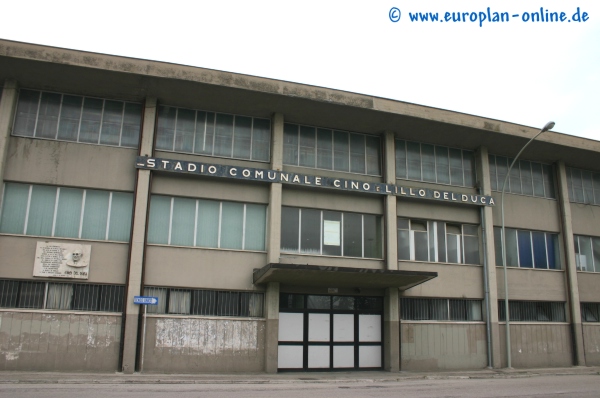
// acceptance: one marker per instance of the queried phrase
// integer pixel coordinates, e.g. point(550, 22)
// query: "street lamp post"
point(547, 127)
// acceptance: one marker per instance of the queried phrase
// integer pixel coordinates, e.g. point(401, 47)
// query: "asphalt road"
point(571, 386)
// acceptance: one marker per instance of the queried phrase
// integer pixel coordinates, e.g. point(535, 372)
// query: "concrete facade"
point(184, 335)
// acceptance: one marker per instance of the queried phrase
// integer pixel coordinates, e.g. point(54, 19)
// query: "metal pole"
point(547, 127)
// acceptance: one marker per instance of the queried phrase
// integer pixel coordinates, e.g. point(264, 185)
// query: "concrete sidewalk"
point(8, 377)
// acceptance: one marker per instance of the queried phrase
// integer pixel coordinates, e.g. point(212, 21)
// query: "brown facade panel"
point(538, 345)
point(591, 344)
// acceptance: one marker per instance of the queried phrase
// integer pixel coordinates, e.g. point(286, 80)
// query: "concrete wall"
point(108, 262)
point(201, 268)
point(191, 345)
point(453, 281)
point(527, 212)
point(70, 164)
point(591, 344)
point(533, 284)
point(43, 341)
point(588, 287)
point(539, 345)
point(586, 219)
point(442, 346)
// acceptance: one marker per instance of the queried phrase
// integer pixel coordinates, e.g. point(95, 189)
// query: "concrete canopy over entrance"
point(321, 276)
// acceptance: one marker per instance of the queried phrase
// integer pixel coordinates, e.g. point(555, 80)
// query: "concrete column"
point(138, 241)
point(272, 334)
point(489, 254)
point(8, 103)
point(274, 246)
point(570, 266)
point(391, 330)
point(391, 211)
point(275, 193)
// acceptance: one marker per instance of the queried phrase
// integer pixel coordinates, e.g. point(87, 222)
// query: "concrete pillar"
point(391, 330)
point(570, 266)
point(272, 333)
point(391, 211)
point(8, 103)
point(274, 247)
point(275, 193)
point(489, 253)
point(391, 303)
point(138, 241)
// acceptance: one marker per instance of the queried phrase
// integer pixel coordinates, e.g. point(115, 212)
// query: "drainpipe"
point(486, 287)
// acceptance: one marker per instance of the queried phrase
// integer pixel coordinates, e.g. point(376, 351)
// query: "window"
point(532, 311)
point(528, 249)
point(205, 302)
point(587, 253)
point(206, 223)
point(437, 241)
point(43, 210)
point(433, 163)
point(420, 309)
point(61, 296)
point(590, 312)
point(526, 178)
point(63, 117)
point(331, 150)
point(584, 186)
point(213, 134)
point(330, 233)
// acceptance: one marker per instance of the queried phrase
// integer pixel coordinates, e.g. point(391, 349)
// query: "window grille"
point(533, 311)
point(205, 302)
point(528, 249)
point(207, 223)
point(590, 312)
point(327, 149)
point(526, 178)
point(584, 186)
point(63, 117)
point(417, 309)
point(331, 233)
point(43, 210)
point(437, 241)
point(213, 134)
point(61, 296)
point(434, 163)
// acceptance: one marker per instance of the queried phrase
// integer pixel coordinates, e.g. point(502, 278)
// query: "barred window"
point(533, 311)
point(590, 312)
point(42, 210)
point(331, 233)
point(526, 178)
point(584, 186)
point(434, 163)
point(61, 296)
point(437, 241)
point(205, 302)
point(528, 249)
point(430, 309)
point(328, 149)
point(64, 117)
point(213, 134)
point(206, 223)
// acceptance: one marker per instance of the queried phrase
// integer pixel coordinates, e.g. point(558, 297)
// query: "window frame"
point(432, 233)
point(437, 309)
point(590, 195)
point(123, 118)
point(547, 236)
point(547, 177)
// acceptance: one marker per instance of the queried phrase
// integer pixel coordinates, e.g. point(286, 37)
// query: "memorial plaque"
point(62, 260)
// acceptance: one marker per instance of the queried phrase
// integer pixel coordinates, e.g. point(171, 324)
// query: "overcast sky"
point(521, 72)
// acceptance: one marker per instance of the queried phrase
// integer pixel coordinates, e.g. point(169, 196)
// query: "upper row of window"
point(64, 117)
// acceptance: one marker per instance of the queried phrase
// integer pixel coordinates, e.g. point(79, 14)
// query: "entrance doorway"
point(318, 332)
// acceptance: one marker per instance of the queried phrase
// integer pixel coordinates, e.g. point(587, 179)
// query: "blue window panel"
point(525, 254)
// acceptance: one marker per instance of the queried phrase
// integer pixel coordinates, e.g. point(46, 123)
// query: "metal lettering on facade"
point(266, 175)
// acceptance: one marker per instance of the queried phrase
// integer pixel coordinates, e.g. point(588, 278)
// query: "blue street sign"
point(145, 300)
